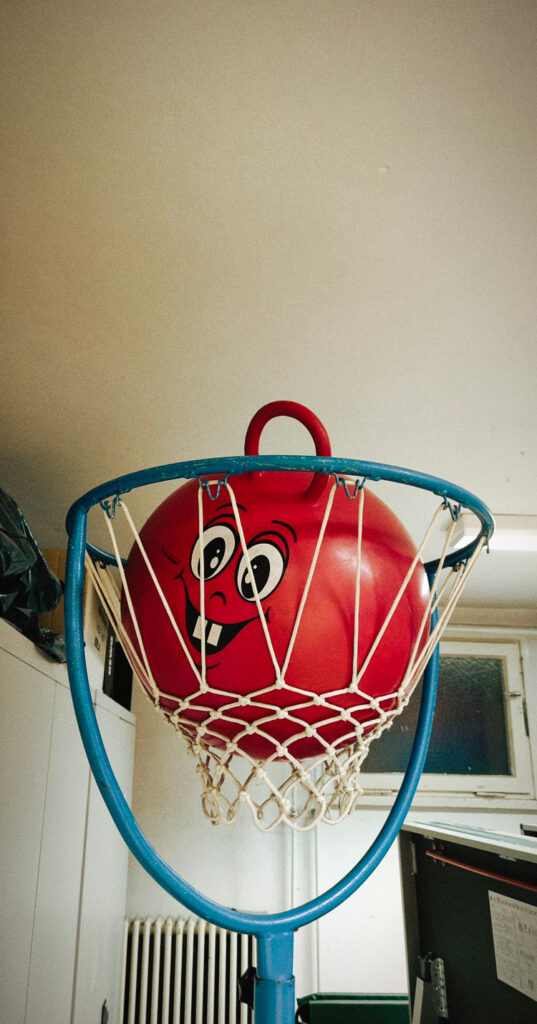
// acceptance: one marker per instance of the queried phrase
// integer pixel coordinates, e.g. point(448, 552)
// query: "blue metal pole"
point(274, 992)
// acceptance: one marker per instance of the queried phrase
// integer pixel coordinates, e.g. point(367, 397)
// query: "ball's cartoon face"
point(207, 580)
point(218, 563)
point(216, 568)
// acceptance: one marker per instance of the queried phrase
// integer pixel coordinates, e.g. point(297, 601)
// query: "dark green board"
point(336, 1008)
point(447, 913)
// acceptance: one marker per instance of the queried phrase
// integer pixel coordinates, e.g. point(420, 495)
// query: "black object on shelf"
point(27, 585)
point(117, 679)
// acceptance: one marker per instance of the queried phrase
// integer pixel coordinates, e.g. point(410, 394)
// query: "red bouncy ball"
point(281, 515)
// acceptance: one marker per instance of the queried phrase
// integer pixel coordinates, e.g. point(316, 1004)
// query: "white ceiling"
point(211, 205)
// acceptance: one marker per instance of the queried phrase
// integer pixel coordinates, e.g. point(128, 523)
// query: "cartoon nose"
point(218, 593)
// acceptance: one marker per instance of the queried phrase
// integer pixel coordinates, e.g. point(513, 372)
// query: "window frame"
point(454, 791)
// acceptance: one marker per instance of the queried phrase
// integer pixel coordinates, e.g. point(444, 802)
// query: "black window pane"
point(469, 735)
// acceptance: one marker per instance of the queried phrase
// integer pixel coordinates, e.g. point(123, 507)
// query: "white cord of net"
point(280, 673)
point(202, 587)
point(106, 587)
point(251, 580)
point(361, 499)
point(151, 571)
point(415, 662)
point(461, 577)
point(128, 598)
point(457, 579)
point(337, 766)
point(202, 678)
point(396, 601)
point(328, 790)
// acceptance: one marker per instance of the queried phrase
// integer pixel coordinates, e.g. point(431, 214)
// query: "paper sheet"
point(514, 929)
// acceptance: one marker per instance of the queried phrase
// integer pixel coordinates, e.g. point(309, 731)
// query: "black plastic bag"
point(27, 586)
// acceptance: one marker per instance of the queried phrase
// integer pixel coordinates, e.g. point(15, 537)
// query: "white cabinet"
point(104, 890)
point(63, 865)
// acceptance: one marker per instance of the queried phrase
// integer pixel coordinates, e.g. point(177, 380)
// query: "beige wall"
point(212, 204)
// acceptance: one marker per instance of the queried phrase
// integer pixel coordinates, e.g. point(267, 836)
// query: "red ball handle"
point(296, 412)
point(309, 420)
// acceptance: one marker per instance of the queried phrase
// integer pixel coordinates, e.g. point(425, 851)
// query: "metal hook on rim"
point(454, 509)
point(341, 481)
point(109, 505)
point(206, 485)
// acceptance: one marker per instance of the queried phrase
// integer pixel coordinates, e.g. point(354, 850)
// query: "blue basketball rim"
point(457, 497)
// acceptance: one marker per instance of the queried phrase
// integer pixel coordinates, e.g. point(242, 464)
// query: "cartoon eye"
point(268, 566)
point(219, 544)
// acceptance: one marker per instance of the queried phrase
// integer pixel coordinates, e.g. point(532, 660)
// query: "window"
point(479, 742)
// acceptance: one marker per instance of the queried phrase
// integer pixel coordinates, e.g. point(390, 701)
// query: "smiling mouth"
point(217, 634)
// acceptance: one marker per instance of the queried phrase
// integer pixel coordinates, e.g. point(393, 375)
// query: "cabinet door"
point(52, 964)
point(27, 705)
point(104, 887)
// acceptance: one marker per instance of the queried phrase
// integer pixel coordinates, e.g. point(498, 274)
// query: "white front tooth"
point(214, 634)
point(197, 629)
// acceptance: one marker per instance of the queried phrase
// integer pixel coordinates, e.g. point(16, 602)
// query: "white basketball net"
point(281, 788)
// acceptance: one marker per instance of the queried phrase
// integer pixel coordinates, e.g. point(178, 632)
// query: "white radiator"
point(183, 971)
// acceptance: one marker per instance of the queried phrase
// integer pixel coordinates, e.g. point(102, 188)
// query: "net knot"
point(211, 804)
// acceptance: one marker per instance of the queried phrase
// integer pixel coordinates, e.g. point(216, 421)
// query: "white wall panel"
point(232, 864)
point(98, 967)
point(63, 866)
point(24, 755)
point(58, 892)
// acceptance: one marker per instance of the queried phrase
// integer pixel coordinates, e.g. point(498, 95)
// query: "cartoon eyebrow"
point(227, 504)
point(218, 519)
point(265, 535)
point(279, 522)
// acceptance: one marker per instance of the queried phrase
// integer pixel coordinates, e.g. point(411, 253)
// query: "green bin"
point(348, 1008)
